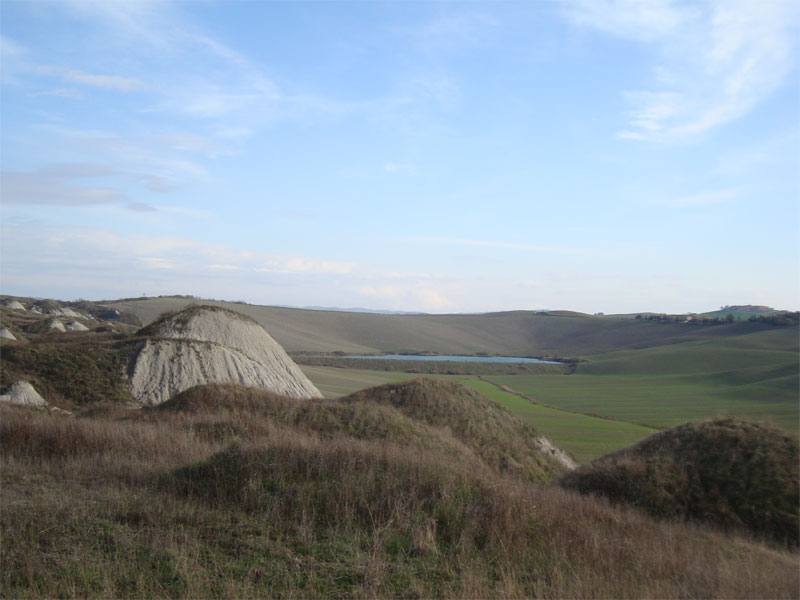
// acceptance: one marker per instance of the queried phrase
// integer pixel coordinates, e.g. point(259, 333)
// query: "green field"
point(585, 437)
point(664, 401)
point(752, 376)
point(334, 382)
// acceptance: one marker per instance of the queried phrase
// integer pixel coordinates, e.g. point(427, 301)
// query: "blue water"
point(494, 359)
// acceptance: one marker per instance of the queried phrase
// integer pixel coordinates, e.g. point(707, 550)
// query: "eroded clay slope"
point(212, 345)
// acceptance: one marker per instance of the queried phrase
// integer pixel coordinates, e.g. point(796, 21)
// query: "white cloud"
point(64, 93)
point(10, 48)
point(71, 262)
point(418, 294)
point(645, 21)
point(393, 167)
point(35, 256)
point(57, 185)
point(501, 244)
point(299, 264)
point(140, 207)
point(45, 188)
point(716, 60)
point(114, 82)
point(702, 199)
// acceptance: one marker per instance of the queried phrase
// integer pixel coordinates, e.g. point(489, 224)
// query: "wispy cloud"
point(716, 60)
point(47, 188)
point(410, 294)
point(140, 207)
point(59, 185)
point(702, 199)
point(112, 82)
point(167, 264)
point(453, 31)
point(649, 21)
point(499, 244)
point(393, 167)
point(18, 60)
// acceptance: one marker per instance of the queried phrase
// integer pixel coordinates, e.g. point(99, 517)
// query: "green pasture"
point(585, 437)
point(663, 401)
point(753, 376)
point(334, 382)
point(756, 354)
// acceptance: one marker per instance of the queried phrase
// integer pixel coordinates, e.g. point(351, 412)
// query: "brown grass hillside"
point(501, 438)
point(211, 496)
point(728, 472)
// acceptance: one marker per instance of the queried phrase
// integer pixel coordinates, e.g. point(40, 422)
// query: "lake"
point(493, 359)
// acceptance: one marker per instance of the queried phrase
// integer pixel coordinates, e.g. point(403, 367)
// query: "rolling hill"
point(516, 333)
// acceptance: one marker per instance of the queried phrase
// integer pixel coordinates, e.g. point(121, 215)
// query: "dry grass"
point(148, 504)
point(502, 439)
point(727, 472)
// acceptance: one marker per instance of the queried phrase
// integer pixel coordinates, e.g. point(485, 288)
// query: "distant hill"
point(514, 333)
point(360, 310)
point(742, 312)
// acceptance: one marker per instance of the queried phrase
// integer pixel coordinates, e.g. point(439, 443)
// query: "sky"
point(595, 155)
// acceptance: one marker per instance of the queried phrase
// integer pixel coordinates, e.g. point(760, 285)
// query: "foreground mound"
point(208, 344)
point(727, 472)
point(140, 505)
point(234, 413)
point(502, 439)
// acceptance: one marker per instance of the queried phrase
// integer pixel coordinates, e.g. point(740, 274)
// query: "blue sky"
point(601, 155)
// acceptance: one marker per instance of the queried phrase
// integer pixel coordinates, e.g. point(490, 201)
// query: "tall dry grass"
point(149, 504)
point(728, 472)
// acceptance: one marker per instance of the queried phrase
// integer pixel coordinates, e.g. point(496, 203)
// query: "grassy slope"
point(334, 382)
point(516, 333)
point(728, 472)
point(494, 433)
point(157, 504)
point(753, 376)
point(585, 437)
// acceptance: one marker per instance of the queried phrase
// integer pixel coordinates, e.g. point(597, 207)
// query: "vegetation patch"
point(237, 414)
point(584, 436)
point(137, 504)
point(502, 439)
point(72, 372)
point(731, 473)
